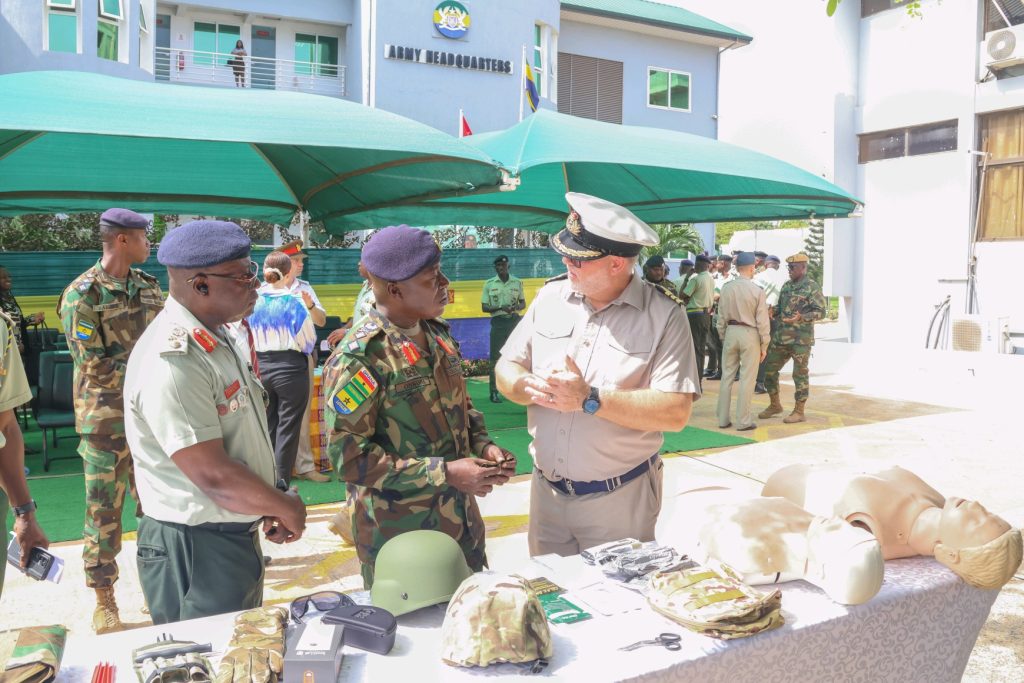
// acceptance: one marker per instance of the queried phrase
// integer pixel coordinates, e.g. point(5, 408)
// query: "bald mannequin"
point(908, 517)
point(770, 540)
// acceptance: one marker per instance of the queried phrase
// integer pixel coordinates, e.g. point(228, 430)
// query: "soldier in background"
point(800, 304)
point(770, 280)
point(104, 312)
point(404, 430)
point(503, 298)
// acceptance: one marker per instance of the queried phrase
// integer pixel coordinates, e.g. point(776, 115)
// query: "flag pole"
point(461, 127)
point(522, 82)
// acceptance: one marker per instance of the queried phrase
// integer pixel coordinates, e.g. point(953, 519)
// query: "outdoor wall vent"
point(1003, 49)
point(980, 334)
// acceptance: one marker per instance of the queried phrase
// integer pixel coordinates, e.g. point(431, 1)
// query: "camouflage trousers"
point(108, 476)
point(779, 355)
point(376, 519)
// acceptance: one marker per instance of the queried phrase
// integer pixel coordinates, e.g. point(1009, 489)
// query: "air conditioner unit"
point(1003, 48)
point(979, 333)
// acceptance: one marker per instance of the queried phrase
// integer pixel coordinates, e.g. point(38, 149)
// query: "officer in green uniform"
point(195, 417)
point(404, 430)
point(503, 297)
point(14, 392)
point(800, 304)
point(104, 311)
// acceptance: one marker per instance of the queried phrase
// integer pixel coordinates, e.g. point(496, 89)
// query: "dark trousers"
point(189, 572)
point(714, 349)
point(700, 325)
point(285, 376)
point(501, 328)
point(764, 363)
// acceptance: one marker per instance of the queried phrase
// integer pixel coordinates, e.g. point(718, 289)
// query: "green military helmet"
point(495, 618)
point(416, 569)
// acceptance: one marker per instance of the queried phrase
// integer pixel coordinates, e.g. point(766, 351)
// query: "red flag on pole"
point(464, 128)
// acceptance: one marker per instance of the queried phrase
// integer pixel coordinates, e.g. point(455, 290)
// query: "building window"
point(1002, 184)
point(590, 88)
point(869, 7)
point(908, 142)
point(143, 26)
point(668, 89)
point(213, 43)
point(61, 26)
point(106, 40)
point(316, 55)
point(544, 62)
point(1011, 14)
point(538, 58)
point(111, 9)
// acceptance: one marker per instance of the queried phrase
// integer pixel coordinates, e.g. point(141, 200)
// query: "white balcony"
point(194, 67)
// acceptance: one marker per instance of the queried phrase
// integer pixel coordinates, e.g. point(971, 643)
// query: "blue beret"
point(654, 261)
point(772, 257)
point(701, 258)
point(744, 258)
point(123, 218)
point(398, 252)
point(200, 244)
point(687, 262)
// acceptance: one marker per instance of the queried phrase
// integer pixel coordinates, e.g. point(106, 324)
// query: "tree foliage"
point(913, 7)
point(674, 238)
point(814, 245)
point(48, 232)
point(725, 231)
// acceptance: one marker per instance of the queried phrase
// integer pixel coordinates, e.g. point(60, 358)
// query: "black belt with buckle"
point(583, 488)
point(737, 322)
point(230, 527)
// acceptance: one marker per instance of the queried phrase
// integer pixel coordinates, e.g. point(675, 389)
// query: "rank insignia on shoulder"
point(354, 394)
point(84, 330)
point(445, 345)
point(205, 339)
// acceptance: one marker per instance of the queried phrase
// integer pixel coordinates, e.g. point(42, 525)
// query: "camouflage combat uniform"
point(794, 340)
point(103, 317)
point(399, 415)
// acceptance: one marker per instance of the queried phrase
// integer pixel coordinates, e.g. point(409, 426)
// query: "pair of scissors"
point(670, 641)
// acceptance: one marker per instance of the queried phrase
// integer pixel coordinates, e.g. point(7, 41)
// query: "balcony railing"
point(212, 68)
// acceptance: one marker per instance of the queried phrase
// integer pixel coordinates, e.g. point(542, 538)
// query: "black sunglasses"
point(324, 601)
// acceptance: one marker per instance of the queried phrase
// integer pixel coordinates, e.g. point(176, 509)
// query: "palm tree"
point(674, 237)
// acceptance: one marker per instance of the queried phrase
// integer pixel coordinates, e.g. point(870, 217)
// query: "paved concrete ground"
point(951, 418)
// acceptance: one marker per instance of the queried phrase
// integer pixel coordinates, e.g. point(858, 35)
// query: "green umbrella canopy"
point(73, 142)
point(663, 176)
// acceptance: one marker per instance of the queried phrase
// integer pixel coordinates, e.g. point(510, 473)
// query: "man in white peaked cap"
point(604, 363)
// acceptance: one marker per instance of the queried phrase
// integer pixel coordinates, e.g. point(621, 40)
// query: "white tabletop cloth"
point(920, 627)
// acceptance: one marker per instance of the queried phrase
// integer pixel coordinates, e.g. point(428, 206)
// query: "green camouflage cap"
point(713, 601)
point(494, 618)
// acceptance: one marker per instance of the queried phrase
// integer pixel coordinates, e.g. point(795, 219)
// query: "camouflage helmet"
point(416, 569)
point(494, 618)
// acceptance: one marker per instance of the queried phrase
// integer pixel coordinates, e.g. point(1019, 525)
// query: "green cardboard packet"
point(31, 655)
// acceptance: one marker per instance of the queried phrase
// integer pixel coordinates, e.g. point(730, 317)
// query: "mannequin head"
point(980, 547)
point(843, 560)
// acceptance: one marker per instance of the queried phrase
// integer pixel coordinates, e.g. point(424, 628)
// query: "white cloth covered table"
point(920, 627)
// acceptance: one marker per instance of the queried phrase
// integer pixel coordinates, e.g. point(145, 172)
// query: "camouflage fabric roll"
point(255, 653)
point(31, 655)
point(713, 601)
point(494, 618)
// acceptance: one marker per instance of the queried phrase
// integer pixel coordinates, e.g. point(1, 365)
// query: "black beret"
point(398, 252)
point(760, 254)
point(701, 258)
point(200, 244)
point(687, 262)
point(772, 257)
point(725, 257)
point(501, 259)
point(124, 219)
point(654, 261)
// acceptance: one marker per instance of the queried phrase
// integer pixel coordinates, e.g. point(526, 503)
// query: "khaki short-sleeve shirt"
point(639, 341)
point(14, 389)
point(178, 393)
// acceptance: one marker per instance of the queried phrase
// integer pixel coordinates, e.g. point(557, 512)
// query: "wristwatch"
point(592, 403)
point(22, 510)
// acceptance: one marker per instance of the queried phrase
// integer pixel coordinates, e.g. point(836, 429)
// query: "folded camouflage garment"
point(713, 601)
point(31, 655)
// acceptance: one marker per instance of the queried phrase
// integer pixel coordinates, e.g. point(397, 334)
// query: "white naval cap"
point(597, 228)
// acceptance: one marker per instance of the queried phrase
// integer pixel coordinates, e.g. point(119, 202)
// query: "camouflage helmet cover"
point(494, 618)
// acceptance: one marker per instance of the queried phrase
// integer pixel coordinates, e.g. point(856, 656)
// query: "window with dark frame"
point(1012, 9)
point(907, 142)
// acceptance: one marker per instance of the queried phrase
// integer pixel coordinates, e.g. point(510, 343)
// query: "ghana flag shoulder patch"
point(355, 392)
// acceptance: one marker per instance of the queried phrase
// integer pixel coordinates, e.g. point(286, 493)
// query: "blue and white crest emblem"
point(451, 19)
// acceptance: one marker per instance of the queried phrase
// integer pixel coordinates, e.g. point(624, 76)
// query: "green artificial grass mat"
point(60, 492)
